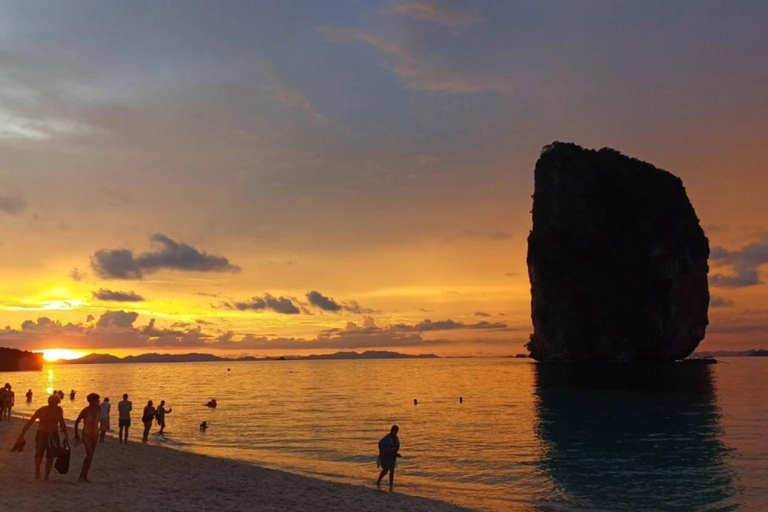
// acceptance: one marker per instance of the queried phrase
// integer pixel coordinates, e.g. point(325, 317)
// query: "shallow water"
point(552, 437)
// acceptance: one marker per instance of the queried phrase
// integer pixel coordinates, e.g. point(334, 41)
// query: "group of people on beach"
point(95, 419)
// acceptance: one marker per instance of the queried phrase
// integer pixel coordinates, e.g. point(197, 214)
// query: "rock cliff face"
point(12, 360)
point(616, 258)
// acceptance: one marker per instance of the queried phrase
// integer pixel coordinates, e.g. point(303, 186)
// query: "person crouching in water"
point(389, 446)
point(146, 419)
point(160, 414)
point(47, 442)
point(90, 418)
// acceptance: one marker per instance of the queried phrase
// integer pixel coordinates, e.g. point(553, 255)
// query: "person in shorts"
point(47, 443)
point(90, 418)
point(124, 418)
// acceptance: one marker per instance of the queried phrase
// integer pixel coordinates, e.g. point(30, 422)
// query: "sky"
point(304, 177)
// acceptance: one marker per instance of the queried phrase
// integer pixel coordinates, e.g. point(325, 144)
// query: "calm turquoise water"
point(526, 437)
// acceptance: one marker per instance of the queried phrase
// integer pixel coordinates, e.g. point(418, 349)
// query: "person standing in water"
point(389, 446)
point(90, 418)
point(160, 413)
point(146, 419)
point(47, 441)
point(124, 409)
point(104, 409)
point(10, 400)
point(2, 402)
point(29, 396)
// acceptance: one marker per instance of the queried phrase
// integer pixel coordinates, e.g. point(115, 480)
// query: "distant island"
point(204, 358)
point(14, 360)
point(755, 352)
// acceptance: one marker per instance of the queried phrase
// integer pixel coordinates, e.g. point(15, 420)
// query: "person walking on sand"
point(10, 400)
point(160, 414)
point(29, 396)
point(389, 446)
point(47, 443)
point(90, 418)
point(104, 409)
point(124, 409)
point(146, 419)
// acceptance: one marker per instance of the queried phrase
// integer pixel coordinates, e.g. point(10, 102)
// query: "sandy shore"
point(151, 478)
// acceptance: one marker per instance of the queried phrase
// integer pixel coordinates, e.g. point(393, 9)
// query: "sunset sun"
point(52, 355)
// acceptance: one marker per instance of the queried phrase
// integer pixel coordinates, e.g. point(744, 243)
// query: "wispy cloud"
point(418, 72)
point(432, 12)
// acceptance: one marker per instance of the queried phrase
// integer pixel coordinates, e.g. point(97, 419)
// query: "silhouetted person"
point(461, 399)
point(104, 410)
point(415, 401)
point(124, 409)
point(212, 403)
point(2, 402)
point(47, 441)
point(90, 418)
point(61, 394)
point(160, 413)
point(204, 426)
point(29, 396)
point(389, 446)
point(9, 399)
point(146, 419)
point(72, 394)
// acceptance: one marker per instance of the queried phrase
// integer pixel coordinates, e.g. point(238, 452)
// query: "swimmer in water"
point(204, 426)
point(415, 401)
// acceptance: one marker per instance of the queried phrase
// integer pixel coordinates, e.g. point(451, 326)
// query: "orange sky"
point(184, 182)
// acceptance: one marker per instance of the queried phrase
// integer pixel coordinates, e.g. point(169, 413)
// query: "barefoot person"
point(104, 409)
point(10, 400)
point(124, 409)
point(160, 413)
point(90, 418)
point(47, 442)
point(146, 419)
point(389, 446)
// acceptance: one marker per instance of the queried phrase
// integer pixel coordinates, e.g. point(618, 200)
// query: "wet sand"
point(152, 478)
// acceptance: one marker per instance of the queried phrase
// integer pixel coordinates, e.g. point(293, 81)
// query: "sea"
point(524, 436)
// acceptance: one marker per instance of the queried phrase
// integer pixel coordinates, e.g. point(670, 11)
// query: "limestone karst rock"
point(12, 360)
point(616, 258)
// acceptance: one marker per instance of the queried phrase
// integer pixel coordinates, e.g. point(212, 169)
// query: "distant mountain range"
point(199, 358)
point(755, 352)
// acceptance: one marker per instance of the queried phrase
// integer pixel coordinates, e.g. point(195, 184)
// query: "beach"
point(154, 478)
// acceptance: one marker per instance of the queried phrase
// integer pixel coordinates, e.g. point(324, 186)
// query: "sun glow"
point(57, 354)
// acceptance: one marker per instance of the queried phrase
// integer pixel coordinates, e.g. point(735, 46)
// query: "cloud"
point(319, 300)
point(431, 12)
point(116, 296)
point(369, 326)
point(12, 205)
point(720, 302)
point(744, 262)
point(169, 255)
point(77, 275)
point(418, 72)
point(282, 305)
point(481, 313)
point(745, 321)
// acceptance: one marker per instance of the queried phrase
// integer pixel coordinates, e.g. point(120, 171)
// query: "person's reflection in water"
point(633, 437)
